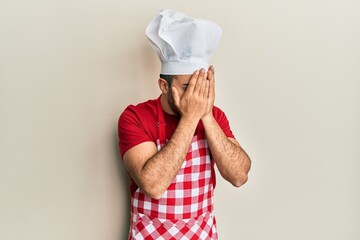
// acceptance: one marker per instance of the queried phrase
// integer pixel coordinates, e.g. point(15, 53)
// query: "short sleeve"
point(223, 122)
point(130, 131)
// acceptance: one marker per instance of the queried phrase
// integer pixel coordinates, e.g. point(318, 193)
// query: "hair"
point(168, 78)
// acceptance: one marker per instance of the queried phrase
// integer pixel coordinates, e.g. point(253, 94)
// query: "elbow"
point(155, 196)
point(151, 185)
point(152, 191)
point(239, 180)
point(242, 177)
point(236, 179)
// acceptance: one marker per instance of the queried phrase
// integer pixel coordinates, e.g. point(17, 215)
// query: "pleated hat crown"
point(183, 44)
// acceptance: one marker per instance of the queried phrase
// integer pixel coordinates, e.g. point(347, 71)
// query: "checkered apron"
point(185, 211)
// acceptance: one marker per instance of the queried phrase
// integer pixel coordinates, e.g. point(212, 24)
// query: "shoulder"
point(137, 124)
point(223, 122)
point(217, 109)
point(142, 108)
point(141, 111)
point(218, 113)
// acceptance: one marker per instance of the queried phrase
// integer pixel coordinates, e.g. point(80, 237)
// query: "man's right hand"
point(192, 105)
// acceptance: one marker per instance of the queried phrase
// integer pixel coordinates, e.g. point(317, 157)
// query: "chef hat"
point(183, 44)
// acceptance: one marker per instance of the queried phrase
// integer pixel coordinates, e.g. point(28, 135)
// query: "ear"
point(163, 85)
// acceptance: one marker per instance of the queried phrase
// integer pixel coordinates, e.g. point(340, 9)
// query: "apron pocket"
point(202, 227)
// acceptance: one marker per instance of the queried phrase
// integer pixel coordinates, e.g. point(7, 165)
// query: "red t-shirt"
point(138, 124)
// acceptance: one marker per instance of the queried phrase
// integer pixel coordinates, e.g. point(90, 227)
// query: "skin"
point(192, 97)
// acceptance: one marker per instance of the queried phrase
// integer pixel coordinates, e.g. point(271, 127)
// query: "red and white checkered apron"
point(185, 211)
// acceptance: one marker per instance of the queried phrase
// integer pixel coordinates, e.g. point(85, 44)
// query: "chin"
point(174, 108)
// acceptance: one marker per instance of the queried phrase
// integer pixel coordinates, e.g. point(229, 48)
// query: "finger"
point(210, 75)
point(175, 96)
point(199, 81)
point(203, 85)
point(211, 84)
point(207, 88)
point(212, 69)
point(211, 72)
point(192, 82)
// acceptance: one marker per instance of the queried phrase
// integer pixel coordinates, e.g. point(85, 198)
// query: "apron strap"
point(161, 121)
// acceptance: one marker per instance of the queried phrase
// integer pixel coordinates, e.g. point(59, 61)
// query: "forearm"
point(160, 170)
point(232, 161)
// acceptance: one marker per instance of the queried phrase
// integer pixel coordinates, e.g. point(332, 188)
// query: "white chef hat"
point(183, 44)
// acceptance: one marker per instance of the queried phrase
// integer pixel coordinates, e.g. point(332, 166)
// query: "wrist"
point(190, 121)
point(208, 118)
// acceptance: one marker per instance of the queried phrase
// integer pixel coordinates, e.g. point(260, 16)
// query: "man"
point(170, 145)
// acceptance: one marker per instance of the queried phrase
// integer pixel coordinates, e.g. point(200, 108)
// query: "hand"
point(193, 103)
point(211, 95)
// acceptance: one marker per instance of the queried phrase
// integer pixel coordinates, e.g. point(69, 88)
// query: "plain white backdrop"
point(287, 76)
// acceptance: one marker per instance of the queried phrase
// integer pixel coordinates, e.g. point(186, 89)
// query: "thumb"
point(175, 97)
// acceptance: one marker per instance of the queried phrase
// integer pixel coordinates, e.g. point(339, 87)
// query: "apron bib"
point(185, 211)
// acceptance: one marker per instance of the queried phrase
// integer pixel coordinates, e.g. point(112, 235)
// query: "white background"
point(287, 76)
